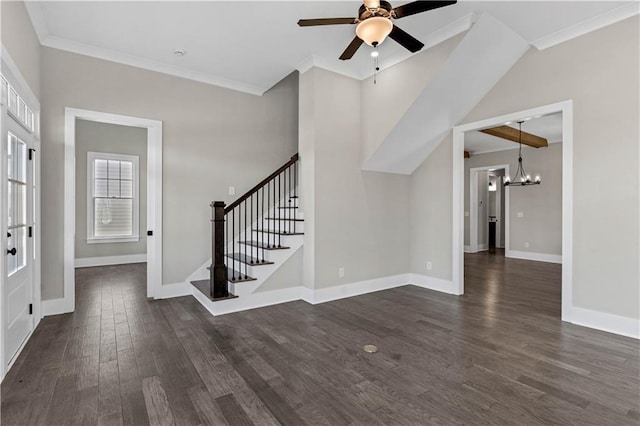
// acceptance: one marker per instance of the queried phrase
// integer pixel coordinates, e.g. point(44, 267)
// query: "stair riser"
point(284, 225)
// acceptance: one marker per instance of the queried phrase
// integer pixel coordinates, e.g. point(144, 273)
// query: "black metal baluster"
point(295, 211)
point(288, 173)
point(226, 241)
point(263, 213)
point(233, 245)
point(268, 207)
point(251, 226)
point(245, 237)
point(279, 205)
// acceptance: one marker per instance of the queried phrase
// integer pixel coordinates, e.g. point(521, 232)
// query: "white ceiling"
point(548, 127)
point(250, 46)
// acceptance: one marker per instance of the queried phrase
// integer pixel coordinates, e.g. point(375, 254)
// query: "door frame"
point(12, 73)
point(564, 107)
point(154, 197)
point(473, 207)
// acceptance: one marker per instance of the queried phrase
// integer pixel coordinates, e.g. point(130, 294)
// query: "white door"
point(19, 253)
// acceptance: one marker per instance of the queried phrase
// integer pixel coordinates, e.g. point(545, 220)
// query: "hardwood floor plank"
point(233, 413)
point(499, 354)
point(156, 402)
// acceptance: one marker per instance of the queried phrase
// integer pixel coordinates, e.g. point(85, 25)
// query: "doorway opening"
point(105, 205)
point(487, 209)
point(514, 247)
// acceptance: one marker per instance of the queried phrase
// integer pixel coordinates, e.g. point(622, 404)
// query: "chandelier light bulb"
point(374, 54)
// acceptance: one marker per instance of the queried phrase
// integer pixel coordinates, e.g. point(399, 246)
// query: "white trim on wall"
point(432, 283)
point(87, 262)
point(566, 108)
point(322, 295)
point(154, 196)
point(538, 257)
point(610, 323)
point(607, 18)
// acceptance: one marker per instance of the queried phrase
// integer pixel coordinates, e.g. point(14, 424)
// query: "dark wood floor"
point(497, 355)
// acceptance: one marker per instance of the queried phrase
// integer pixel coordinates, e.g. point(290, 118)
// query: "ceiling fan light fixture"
point(374, 30)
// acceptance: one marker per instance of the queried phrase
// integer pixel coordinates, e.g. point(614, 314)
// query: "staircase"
point(252, 237)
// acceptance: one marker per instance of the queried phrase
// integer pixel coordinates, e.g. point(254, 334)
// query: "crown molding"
point(148, 64)
point(592, 24)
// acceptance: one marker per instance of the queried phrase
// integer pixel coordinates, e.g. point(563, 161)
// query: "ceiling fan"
point(374, 24)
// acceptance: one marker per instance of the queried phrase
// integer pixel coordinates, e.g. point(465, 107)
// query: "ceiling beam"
point(511, 134)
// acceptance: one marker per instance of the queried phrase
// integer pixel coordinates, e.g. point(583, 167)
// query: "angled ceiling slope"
point(481, 59)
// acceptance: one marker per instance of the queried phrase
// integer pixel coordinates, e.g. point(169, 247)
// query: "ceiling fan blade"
point(351, 49)
point(404, 39)
point(419, 7)
point(325, 21)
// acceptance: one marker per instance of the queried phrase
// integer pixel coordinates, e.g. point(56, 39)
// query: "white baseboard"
point(538, 257)
point(55, 307)
point(167, 291)
point(467, 249)
point(251, 301)
point(432, 283)
point(610, 323)
point(353, 289)
point(86, 262)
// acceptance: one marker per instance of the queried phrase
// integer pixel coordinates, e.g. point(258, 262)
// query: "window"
point(17, 107)
point(112, 198)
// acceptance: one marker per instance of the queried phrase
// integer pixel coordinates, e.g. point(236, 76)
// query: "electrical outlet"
point(429, 266)
point(520, 214)
point(341, 272)
point(526, 245)
point(232, 190)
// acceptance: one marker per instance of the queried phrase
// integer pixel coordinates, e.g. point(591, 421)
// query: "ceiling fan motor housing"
point(384, 11)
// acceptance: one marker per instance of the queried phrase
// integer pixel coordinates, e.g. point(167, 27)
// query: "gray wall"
point(541, 204)
point(360, 218)
point(599, 72)
point(113, 139)
point(21, 41)
point(213, 138)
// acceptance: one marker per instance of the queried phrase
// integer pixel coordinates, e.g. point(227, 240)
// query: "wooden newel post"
point(218, 280)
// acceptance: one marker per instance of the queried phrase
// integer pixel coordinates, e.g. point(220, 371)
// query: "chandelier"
point(521, 177)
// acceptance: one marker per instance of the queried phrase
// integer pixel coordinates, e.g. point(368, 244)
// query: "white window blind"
point(113, 203)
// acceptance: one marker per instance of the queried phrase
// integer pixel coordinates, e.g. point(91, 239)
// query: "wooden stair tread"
point(262, 245)
point(283, 218)
point(240, 277)
point(249, 260)
point(288, 207)
point(204, 287)
point(271, 231)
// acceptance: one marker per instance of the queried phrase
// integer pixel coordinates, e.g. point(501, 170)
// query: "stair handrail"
point(286, 184)
point(262, 183)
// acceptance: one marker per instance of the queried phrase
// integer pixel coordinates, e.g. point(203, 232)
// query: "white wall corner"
point(432, 283)
point(610, 323)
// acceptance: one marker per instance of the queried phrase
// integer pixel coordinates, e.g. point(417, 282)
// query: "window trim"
point(135, 237)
